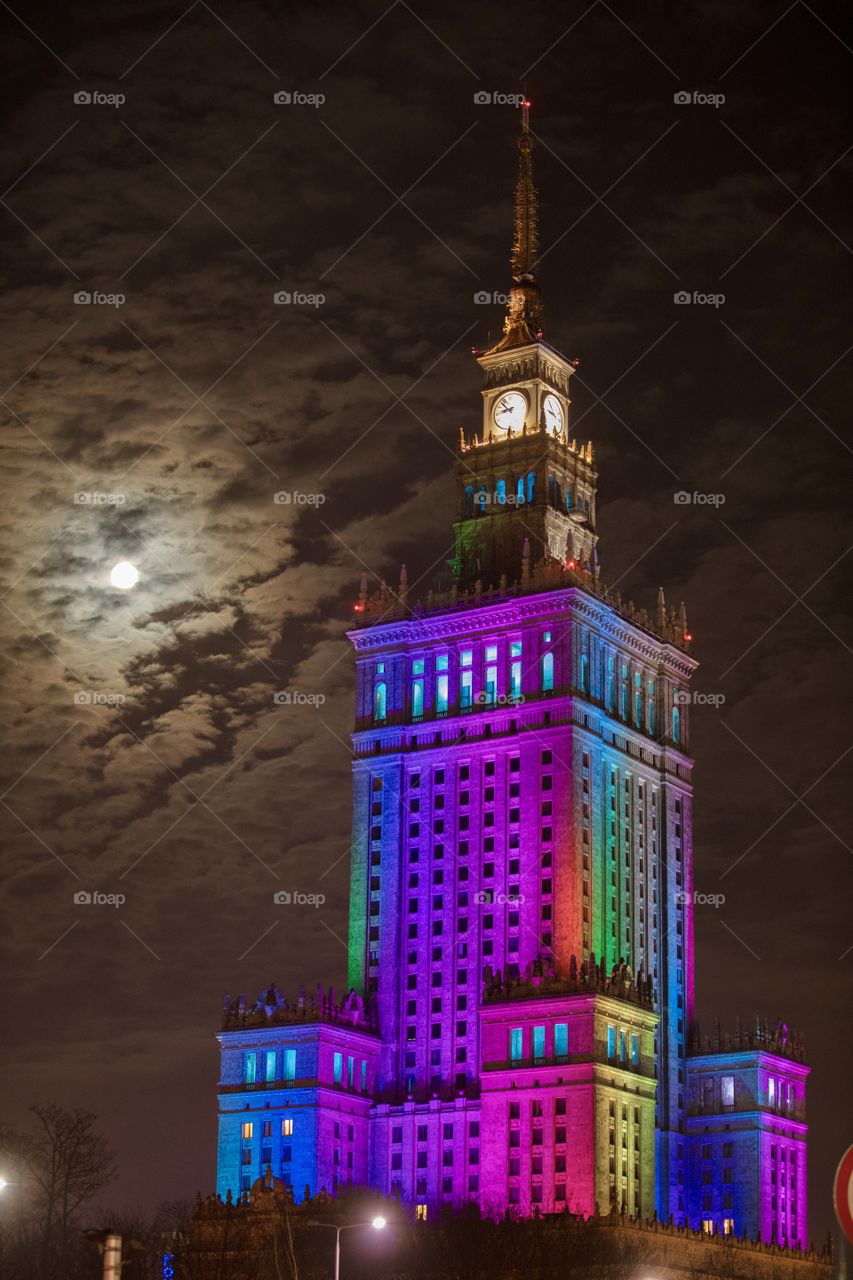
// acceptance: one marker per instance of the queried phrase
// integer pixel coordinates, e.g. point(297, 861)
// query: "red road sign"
point(842, 1193)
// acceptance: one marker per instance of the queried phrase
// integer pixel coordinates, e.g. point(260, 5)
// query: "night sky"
point(146, 753)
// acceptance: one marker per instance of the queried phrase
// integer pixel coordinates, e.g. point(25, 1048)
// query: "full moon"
point(124, 575)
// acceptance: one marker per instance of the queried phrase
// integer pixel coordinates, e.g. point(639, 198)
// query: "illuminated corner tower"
point(521, 877)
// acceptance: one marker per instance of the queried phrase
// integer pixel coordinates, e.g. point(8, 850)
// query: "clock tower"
point(523, 477)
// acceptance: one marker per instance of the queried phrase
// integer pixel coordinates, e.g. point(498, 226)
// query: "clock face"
point(509, 412)
point(553, 411)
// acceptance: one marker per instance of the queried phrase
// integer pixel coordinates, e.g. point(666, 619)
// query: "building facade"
point(521, 880)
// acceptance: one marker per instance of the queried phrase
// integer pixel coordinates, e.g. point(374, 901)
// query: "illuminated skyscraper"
point(521, 891)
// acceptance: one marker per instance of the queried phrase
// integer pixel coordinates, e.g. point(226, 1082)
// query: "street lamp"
point(377, 1223)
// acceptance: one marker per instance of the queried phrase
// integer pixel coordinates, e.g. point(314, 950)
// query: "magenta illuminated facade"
point(521, 895)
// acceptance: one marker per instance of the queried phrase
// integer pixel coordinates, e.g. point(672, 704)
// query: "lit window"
point(771, 1092)
point(515, 1044)
point(466, 677)
point(708, 1226)
point(417, 698)
point(380, 694)
point(441, 692)
point(421, 1212)
point(561, 1039)
point(539, 1042)
point(350, 1072)
point(531, 485)
point(289, 1063)
point(418, 667)
point(728, 1226)
point(635, 1050)
point(363, 1077)
point(676, 725)
point(338, 1068)
point(247, 1129)
point(269, 1069)
point(286, 1128)
point(250, 1074)
point(727, 1092)
point(611, 1042)
point(547, 672)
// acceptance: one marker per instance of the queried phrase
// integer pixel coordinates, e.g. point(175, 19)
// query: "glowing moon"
point(124, 575)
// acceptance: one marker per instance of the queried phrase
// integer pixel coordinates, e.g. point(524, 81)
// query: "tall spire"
point(523, 320)
point(526, 242)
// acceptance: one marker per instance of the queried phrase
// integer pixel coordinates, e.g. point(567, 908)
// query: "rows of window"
point(624, 1158)
point(783, 1192)
point(274, 1066)
point(271, 1146)
point(722, 1179)
point(520, 491)
point(448, 1159)
point(467, 685)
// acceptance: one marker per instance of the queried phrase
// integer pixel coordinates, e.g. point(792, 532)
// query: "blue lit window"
point(441, 662)
point(515, 1044)
point(269, 1069)
point(622, 1048)
point(491, 689)
point(364, 1077)
point(380, 668)
point(531, 485)
point(561, 1039)
point(584, 672)
point(547, 672)
point(568, 497)
point(539, 1042)
point(771, 1092)
point(623, 692)
point(638, 698)
point(500, 492)
point(417, 698)
point(635, 1049)
point(609, 682)
point(546, 636)
point(519, 491)
point(350, 1072)
point(418, 667)
point(466, 659)
point(676, 725)
point(338, 1068)
point(250, 1073)
point(441, 692)
point(380, 694)
point(481, 499)
point(611, 1042)
point(727, 1092)
point(289, 1064)
point(468, 510)
point(515, 669)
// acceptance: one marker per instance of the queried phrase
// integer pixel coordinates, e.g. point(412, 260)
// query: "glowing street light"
point(377, 1223)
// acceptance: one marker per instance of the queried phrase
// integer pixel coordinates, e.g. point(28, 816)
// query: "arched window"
point(500, 493)
point(380, 693)
point(676, 725)
point(531, 485)
point(547, 672)
point(468, 509)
